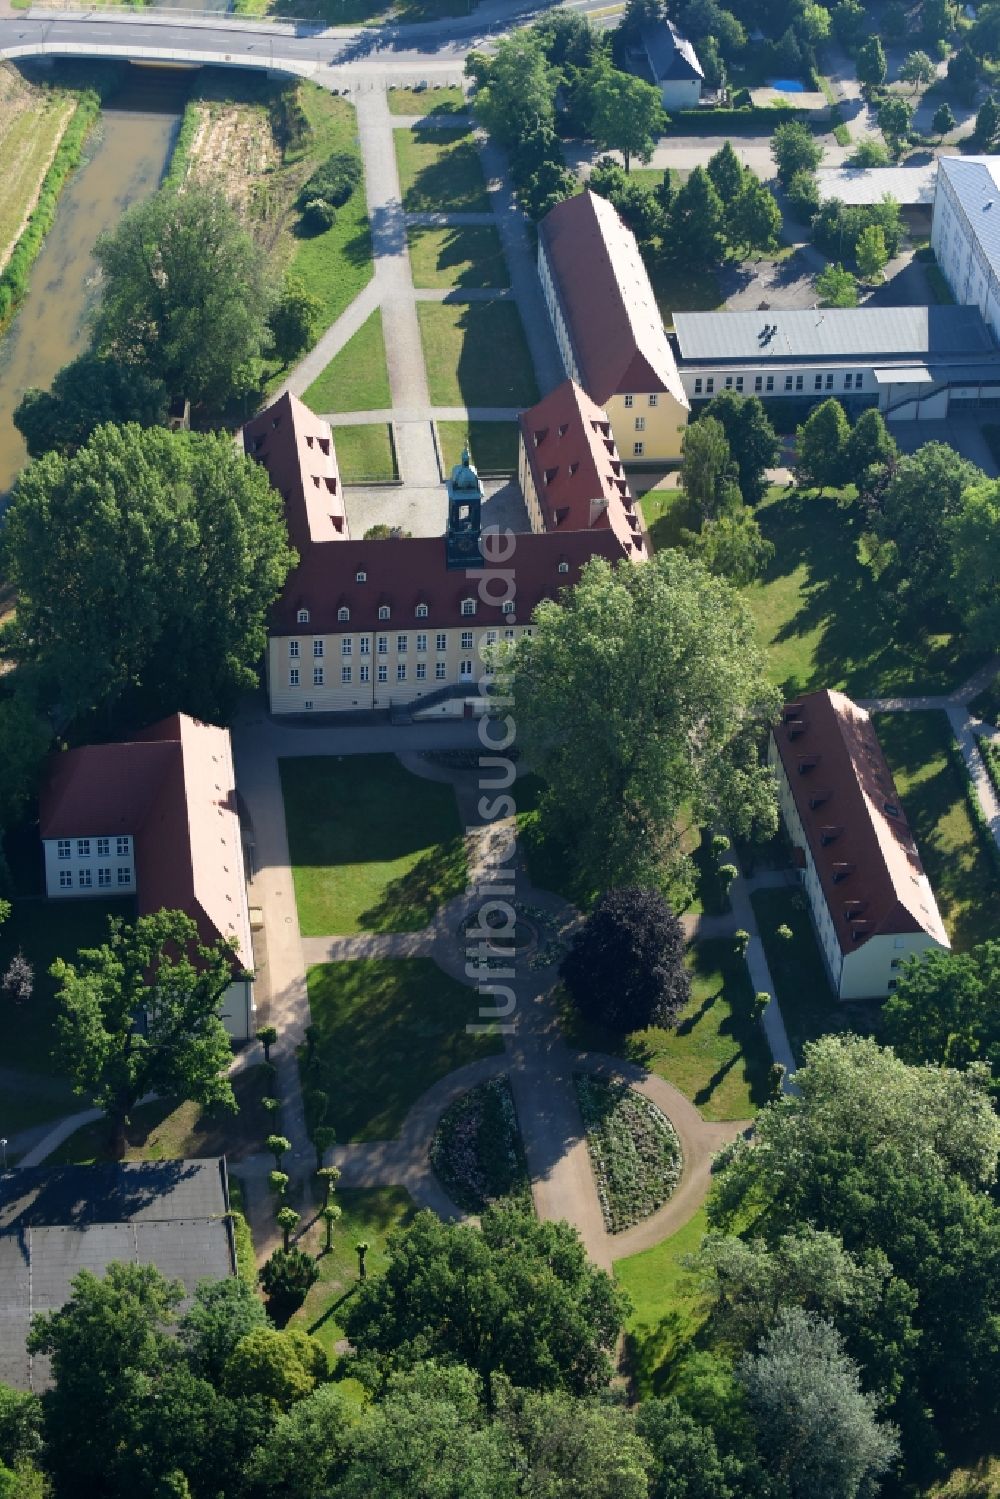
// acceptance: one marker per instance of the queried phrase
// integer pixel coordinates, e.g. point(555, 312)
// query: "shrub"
point(741, 941)
point(784, 931)
point(318, 215)
point(286, 1280)
point(728, 873)
point(333, 182)
point(720, 844)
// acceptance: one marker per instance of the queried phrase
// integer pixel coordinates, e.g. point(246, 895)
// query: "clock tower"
point(465, 503)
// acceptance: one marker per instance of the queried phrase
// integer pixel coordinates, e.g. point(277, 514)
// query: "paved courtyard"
point(421, 509)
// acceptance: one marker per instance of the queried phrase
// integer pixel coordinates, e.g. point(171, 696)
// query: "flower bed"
point(476, 1150)
point(634, 1150)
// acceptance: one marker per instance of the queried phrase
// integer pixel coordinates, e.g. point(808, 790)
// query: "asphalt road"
point(242, 41)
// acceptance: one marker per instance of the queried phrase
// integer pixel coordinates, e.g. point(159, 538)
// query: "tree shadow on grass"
point(452, 181)
point(411, 901)
point(331, 1311)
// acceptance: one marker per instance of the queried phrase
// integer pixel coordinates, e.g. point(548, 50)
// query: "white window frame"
point(507, 607)
point(441, 641)
point(318, 676)
point(440, 671)
point(64, 848)
point(365, 645)
point(124, 875)
point(400, 671)
point(466, 640)
point(383, 671)
point(65, 879)
point(640, 424)
point(293, 650)
point(421, 611)
point(104, 878)
point(104, 848)
point(343, 614)
point(421, 640)
point(654, 399)
point(364, 672)
point(629, 401)
point(123, 846)
point(293, 676)
point(346, 646)
point(303, 616)
point(638, 449)
point(346, 675)
point(318, 650)
point(85, 879)
point(468, 606)
point(382, 645)
point(402, 644)
point(421, 671)
point(383, 611)
point(361, 577)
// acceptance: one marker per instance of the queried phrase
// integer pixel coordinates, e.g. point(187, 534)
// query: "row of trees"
point(841, 1345)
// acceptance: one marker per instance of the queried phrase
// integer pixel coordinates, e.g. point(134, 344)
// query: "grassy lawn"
point(165, 1132)
point(366, 454)
point(464, 255)
point(933, 791)
point(684, 288)
point(368, 1215)
point(44, 930)
point(493, 445)
point(356, 379)
point(667, 1308)
point(388, 1029)
point(668, 512)
point(818, 609)
point(476, 355)
point(439, 171)
point(808, 1006)
point(32, 121)
point(651, 177)
point(336, 264)
point(716, 1055)
point(373, 847)
point(426, 101)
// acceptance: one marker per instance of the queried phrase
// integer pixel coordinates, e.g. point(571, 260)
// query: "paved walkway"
point(966, 728)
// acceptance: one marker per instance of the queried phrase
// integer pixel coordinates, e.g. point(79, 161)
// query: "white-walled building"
point(673, 64)
point(608, 326)
point(872, 904)
point(156, 817)
point(913, 363)
point(965, 232)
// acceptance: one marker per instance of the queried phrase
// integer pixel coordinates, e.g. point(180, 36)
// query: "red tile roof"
point(402, 572)
point(607, 300)
point(173, 790)
point(578, 475)
point(296, 447)
point(861, 845)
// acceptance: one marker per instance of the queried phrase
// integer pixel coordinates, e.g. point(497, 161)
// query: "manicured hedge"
point(14, 279)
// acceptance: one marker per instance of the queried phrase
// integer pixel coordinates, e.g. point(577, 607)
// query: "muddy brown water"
point(124, 161)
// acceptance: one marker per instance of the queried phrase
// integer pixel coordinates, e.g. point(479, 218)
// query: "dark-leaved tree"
point(625, 967)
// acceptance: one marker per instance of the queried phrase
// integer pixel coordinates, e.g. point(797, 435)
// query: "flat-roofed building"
point(156, 818)
point(913, 363)
point(965, 232)
point(871, 901)
point(609, 328)
point(911, 187)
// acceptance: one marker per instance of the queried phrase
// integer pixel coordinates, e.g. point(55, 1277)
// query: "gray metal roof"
point(57, 1222)
point(670, 54)
point(908, 186)
point(976, 183)
point(831, 333)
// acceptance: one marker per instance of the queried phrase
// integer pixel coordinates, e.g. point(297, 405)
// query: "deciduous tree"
point(821, 447)
point(186, 295)
point(727, 173)
point(795, 149)
point(836, 287)
point(620, 765)
point(697, 219)
point(894, 117)
point(517, 1297)
point(295, 321)
point(165, 551)
point(870, 445)
point(753, 442)
point(85, 394)
point(625, 968)
point(707, 468)
point(871, 254)
point(816, 1426)
point(156, 972)
point(517, 94)
point(756, 217)
point(926, 488)
point(943, 121)
point(626, 115)
point(871, 64)
point(917, 69)
point(223, 1312)
point(973, 534)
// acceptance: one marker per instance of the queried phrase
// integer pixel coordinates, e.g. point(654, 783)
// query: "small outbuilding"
point(674, 65)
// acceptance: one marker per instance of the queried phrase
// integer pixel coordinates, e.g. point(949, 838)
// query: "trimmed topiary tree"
point(286, 1279)
point(625, 968)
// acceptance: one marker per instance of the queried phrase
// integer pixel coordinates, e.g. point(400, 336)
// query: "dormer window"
point(421, 611)
point(383, 611)
point(564, 567)
point(891, 809)
point(468, 606)
point(343, 614)
point(360, 577)
point(507, 607)
point(303, 616)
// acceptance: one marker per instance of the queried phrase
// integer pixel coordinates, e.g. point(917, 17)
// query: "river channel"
point(125, 159)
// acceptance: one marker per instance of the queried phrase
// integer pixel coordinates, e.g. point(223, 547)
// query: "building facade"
point(965, 232)
point(609, 328)
point(673, 65)
point(870, 899)
point(912, 363)
point(408, 623)
point(156, 818)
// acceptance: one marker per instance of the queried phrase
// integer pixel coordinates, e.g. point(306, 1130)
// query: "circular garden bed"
point(477, 1152)
point(634, 1150)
